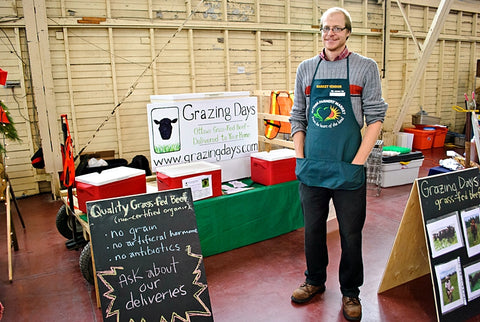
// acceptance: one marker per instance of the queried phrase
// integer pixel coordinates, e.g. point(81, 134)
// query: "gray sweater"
point(363, 73)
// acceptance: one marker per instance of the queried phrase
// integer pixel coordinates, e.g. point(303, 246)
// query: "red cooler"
point(273, 167)
point(204, 178)
point(110, 183)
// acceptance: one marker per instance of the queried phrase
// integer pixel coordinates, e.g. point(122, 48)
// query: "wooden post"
point(36, 31)
point(9, 234)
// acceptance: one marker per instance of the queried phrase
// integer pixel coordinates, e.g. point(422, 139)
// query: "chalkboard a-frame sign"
point(450, 205)
point(148, 260)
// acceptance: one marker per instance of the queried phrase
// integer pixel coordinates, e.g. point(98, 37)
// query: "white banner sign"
point(213, 130)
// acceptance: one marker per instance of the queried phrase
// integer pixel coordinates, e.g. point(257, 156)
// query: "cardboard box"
point(203, 178)
point(273, 167)
point(110, 183)
point(422, 139)
point(400, 173)
point(425, 119)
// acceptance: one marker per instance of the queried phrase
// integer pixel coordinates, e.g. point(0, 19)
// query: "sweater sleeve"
point(373, 106)
point(301, 100)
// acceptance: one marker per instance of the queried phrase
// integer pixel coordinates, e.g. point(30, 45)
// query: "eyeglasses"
point(335, 30)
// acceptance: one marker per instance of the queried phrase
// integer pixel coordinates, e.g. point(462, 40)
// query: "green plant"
point(7, 126)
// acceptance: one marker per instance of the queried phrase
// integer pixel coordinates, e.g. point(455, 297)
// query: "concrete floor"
point(252, 283)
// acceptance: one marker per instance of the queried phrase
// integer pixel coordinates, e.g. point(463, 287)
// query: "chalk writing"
point(447, 193)
point(136, 209)
point(144, 263)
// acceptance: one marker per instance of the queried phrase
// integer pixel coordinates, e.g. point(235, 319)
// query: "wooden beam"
point(386, 8)
point(288, 61)
point(113, 66)
point(36, 28)
point(258, 44)
point(153, 51)
point(22, 99)
point(73, 116)
point(428, 46)
point(456, 72)
point(473, 53)
point(288, 48)
point(418, 47)
point(316, 22)
point(226, 50)
point(441, 77)
point(458, 5)
point(191, 51)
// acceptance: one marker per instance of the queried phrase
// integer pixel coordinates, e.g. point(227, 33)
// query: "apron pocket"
point(330, 174)
point(353, 174)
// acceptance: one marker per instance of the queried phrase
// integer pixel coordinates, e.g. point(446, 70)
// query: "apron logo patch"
point(328, 114)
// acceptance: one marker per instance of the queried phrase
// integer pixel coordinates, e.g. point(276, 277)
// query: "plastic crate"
point(400, 173)
point(422, 139)
point(440, 134)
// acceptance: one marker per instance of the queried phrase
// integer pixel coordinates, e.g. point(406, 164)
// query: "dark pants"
point(350, 208)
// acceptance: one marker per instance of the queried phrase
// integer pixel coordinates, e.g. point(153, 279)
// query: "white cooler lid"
point(274, 155)
point(109, 175)
point(185, 169)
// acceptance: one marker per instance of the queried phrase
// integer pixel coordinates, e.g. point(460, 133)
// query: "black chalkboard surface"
point(450, 206)
point(148, 261)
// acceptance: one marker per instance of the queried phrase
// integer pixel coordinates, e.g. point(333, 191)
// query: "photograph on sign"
point(165, 130)
point(450, 284)
point(470, 220)
point(444, 234)
point(472, 280)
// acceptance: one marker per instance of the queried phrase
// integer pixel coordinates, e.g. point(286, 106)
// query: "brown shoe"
point(352, 309)
point(306, 292)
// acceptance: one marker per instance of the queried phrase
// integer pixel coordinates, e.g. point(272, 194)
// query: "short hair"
point(348, 18)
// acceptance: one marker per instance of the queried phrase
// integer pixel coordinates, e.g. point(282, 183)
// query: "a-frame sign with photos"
point(439, 235)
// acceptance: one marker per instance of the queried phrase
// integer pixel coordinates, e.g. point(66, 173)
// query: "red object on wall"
point(3, 77)
point(3, 116)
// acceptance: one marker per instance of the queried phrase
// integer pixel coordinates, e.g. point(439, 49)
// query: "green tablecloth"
point(231, 221)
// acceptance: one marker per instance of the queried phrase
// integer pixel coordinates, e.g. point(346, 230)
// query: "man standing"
point(335, 93)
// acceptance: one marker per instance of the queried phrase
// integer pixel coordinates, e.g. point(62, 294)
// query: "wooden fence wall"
point(101, 56)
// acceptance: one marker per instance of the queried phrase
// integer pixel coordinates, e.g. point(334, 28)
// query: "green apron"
point(332, 139)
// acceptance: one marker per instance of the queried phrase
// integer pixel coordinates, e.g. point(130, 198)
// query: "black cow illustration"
point(165, 127)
